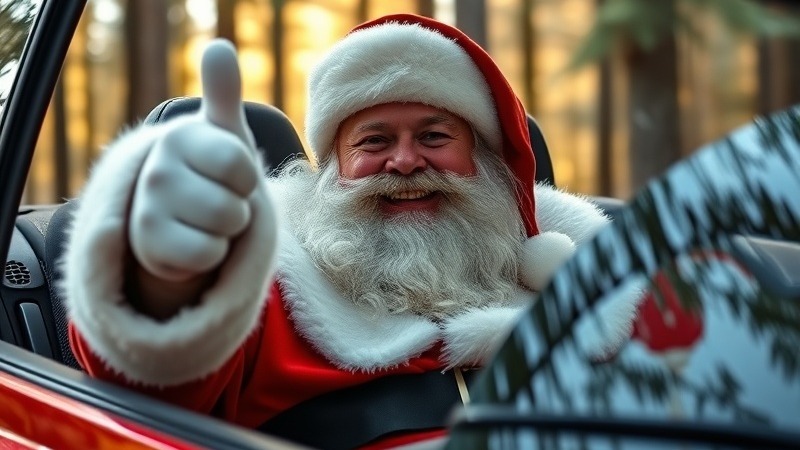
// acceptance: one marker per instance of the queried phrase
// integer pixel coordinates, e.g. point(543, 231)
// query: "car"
point(711, 360)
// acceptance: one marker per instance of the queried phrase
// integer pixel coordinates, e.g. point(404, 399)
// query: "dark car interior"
point(33, 314)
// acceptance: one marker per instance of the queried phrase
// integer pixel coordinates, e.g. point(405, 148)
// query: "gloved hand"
point(191, 196)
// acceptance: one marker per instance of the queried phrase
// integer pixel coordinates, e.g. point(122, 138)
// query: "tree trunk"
point(425, 8)
point(60, 142)
point(778, 72)
point(528, 37)
point(605, 110)
point(146, 44)
point(277, 52)
point(226, 24)
point(653, 111)
point(362, 11)
point(471, 19)
point(605, 155)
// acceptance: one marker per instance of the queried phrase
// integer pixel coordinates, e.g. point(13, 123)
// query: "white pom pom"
point(542, 255)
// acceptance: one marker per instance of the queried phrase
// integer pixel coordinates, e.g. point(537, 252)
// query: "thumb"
point(222, 90)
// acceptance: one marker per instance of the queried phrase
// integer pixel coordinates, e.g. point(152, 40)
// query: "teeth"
point(408, 195)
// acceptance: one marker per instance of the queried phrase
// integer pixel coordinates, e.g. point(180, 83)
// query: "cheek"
point(363, 165)
point(458, 162)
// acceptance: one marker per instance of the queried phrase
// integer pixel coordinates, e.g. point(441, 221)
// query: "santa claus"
point(336, 304)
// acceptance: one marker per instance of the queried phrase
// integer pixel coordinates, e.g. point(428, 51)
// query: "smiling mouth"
point(409, 195)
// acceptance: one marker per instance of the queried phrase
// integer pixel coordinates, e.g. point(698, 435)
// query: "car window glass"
point(16, 18)
point(715, 245)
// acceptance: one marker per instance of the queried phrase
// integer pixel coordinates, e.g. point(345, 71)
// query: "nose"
point(406, 158)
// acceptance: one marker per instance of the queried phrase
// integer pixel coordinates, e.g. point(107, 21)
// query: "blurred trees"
point(643, 34)
point(146, 32)
point(671, 78)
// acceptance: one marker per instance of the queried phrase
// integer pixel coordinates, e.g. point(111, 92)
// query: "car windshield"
point(16, 18)
point(714, 347)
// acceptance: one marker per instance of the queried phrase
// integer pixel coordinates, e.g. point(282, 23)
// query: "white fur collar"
point(354, 338)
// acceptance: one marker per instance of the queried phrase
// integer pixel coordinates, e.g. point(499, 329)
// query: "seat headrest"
point(544, 165)
point(275, 135)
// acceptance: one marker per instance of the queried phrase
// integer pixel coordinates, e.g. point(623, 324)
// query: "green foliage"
point(749, 17)
point(15, 21)
point(16, 18)
point(643, 24)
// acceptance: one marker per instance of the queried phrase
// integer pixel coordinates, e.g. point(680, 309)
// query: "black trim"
point(34, 329)
point(544, 163)
point(487, 418)
point(355, 416)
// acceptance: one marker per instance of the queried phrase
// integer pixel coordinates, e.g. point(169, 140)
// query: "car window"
point(16, 18)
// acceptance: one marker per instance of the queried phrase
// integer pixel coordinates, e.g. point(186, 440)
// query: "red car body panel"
point(33, 417)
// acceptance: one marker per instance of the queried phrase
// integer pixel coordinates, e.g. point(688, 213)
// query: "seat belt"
point(355, 416)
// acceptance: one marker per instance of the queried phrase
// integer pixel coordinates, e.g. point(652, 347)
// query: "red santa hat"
point(410, 58)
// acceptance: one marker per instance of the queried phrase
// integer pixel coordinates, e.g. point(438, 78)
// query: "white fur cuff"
point(542, 255)
point(198, 340)
point(472, 338)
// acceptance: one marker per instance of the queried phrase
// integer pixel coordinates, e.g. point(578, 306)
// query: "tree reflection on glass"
point(16, 17)
point(684, 233)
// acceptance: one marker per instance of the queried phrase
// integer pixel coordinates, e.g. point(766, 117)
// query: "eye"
point(372, 143)
point(434, 138)
point(371, 140)
point(374, 140)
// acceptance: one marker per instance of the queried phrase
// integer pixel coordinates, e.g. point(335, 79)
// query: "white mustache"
point(365, 191)
point(466, 257)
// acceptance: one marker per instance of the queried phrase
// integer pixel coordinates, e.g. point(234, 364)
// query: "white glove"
point(191, 196)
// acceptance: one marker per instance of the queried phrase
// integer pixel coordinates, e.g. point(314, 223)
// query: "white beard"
point(465, 256)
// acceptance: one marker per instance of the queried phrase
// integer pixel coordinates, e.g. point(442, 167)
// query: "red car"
point(713, 360)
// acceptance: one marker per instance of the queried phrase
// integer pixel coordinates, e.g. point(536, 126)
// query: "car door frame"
point(32, 377)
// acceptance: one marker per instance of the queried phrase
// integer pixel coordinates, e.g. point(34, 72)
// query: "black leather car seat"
point(544, 164)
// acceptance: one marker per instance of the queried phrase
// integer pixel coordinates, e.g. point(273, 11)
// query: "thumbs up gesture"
point(192, 194)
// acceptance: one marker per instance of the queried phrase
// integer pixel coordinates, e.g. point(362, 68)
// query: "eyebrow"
point(428, 120)
point(372, 126)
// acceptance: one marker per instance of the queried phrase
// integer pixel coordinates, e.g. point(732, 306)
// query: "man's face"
point(404, 139)
point(436, 265)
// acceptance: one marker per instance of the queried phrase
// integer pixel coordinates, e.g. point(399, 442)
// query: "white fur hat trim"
point(542, 255)
point(396, 62)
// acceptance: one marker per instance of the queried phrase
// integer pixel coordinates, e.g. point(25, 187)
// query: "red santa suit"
point(273, 332)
